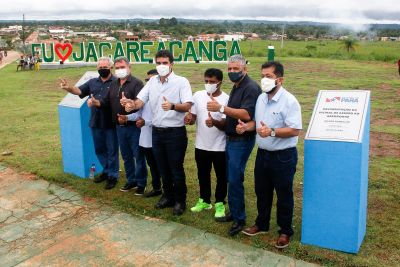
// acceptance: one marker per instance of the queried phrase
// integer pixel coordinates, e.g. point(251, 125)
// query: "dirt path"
point(12, 56)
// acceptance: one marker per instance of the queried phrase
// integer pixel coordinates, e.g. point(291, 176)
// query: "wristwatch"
point(173, 107)
point(222, 109)
point(273, 133)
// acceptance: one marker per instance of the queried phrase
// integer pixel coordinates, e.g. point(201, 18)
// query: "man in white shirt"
point(210, 143)
point(169, 96)
point(278, 123)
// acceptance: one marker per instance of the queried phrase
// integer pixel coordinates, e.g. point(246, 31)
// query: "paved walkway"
point(42, 224)
point(11, 57)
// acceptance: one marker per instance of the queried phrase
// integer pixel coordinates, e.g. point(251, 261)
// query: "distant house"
point(233, 37)
point(131, 38)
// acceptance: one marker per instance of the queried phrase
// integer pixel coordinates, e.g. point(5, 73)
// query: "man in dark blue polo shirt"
point(103, 128)
point(240, 109)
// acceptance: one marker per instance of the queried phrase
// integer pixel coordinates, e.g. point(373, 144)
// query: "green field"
point(29, 128)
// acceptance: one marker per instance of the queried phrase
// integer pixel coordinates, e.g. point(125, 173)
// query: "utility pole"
point(23, 31)
point(283, 33)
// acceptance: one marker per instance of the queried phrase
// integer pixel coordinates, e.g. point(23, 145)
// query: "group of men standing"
point(148, 123)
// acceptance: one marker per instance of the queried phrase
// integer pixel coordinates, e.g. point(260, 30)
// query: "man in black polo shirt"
point(103, 129)
point(240, 108)
point(128, 133)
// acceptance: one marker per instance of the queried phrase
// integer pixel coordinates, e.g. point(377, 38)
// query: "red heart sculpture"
point(59, 46)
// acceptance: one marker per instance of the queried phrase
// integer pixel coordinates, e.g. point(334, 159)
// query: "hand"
point(210, 121)
point(122, 119)
point(241, 127)
point(264, 130)
point(123, 101)
point(140, 123)
point(213, 105)
point(166, 105)
point(93, 102)
point(64, 84)
point(188, 118)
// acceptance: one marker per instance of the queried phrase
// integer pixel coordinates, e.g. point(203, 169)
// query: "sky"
point(347, 12)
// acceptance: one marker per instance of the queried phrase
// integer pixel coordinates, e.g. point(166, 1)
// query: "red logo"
point(60, 48)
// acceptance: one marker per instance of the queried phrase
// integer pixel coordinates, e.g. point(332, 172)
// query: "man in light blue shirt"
point(278, 124)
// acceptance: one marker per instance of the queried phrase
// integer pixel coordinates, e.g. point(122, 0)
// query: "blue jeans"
point(275, 170)
point(169, 147)
point(237, 154)
point(134, 160)
point(106, 149)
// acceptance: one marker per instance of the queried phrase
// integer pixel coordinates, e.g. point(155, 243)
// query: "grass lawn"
point(29, 127)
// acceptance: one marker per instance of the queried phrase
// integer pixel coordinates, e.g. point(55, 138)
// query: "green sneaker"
point(219, 210)
point(201, 205)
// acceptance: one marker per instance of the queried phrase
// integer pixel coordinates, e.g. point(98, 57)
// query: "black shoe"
point(236, 228)
point(153, 193)
point(140, 191)
point(179, 208)
point(228, 218)
point(164, 203)
point(101, 178)
point(111, 183)
point(128, 187)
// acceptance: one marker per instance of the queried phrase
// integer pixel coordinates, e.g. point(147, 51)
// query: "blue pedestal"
point(76, 137)
point(335, 192)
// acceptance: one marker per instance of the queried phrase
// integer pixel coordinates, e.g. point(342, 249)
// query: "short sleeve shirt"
point(99, 117)
point(242, 97)
point(176, 89)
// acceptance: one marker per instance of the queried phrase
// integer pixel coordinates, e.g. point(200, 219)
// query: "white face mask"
point(121, 73)
point(267, 84)
point(163, 70)
point(211, 88)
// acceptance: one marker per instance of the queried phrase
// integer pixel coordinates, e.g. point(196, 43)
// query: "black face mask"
point(104, 73)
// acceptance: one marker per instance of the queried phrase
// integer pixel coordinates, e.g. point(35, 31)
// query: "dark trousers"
point(134, 161)
point(106, 148)
point(237, 154)
point(205, 160)
point(169, 147)
point(151, 161)
point(275, 170)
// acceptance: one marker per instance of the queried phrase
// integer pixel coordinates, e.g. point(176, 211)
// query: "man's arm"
point(236, 113)
point(71, 89)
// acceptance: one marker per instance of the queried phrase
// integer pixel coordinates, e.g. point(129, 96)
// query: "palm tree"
point(350, 44)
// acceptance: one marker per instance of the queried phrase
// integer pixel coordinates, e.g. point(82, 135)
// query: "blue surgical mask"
point(235, 76)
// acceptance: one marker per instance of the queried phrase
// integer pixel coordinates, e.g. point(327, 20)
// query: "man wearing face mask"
point(101, 123)
point(240, 108)
point(210, 143)
point(278, 123)
point(170, 96)
point(126, 87)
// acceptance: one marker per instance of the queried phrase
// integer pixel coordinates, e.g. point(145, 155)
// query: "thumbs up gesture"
point(93, 102)
point(264, 130)
point(166, 105)
point(123, 101)
point(188, 118)
point(213, 105)
point(64, 84)
point(241, 127)
point(210, 121)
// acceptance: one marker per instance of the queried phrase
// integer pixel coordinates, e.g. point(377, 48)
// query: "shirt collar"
point(276, 97)
point(109, 79)
point(129, 79)
point(171, 76)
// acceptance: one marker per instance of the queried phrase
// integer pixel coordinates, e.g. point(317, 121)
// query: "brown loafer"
point(283, 241)
point(252, 231)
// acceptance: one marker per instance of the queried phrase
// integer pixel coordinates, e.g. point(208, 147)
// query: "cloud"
point(338, 11)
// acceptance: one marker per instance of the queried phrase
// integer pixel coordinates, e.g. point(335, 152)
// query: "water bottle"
point(92, 171)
